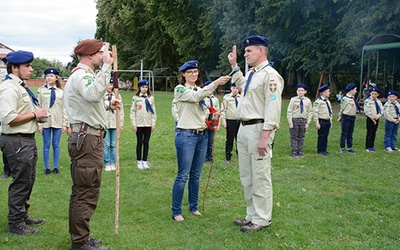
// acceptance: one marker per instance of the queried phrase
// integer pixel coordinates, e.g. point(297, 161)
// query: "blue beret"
point(392, 92)
point(350, 86)
point(189, 65)
point(255, 40)
point(207, 83)
point(18, 57)
point(52, 71)
point(323, 88)
point(301, 85)
point(143, 83)
point(374, 90)
point(233, 85)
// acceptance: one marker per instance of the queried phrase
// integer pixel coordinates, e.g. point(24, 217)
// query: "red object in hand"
point(212, 121)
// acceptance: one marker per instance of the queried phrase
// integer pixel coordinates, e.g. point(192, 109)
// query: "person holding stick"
point(86, 113)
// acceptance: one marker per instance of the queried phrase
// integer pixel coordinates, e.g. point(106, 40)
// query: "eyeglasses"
point(192, 72)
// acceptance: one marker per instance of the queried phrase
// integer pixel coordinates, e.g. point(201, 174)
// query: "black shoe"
point(23, 230)
point(5, 175)
point(31, 221)
point(95, 241)
point(89, 245)
point(47, 171)
point(55, 171)
point(243, 222)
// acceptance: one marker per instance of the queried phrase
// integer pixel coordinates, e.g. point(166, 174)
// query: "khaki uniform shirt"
point(84, 93)
point(370, 108)
point(139, 115)
point(191, 115)
point(174, 110)
point(215, 102)
point(229, 109)
point(58, 115)
point(263, 98)
point(111, 115)
point(15, 100)
point(389, 112)
point(348, 106)
point(320, 110)
point(294, 111)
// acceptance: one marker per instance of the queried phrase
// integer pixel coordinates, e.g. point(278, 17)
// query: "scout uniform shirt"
point(294, 110)
point(348, 106)
point(389, 111)
point(321, 111)
point(15, 100)
point(174, 110)
point(83, 94)
point(139, 115)
point(191, 114)
point(111, 115)
point(229, 108)
point(370, 108)
point(58, 115)
point(263, 98)
point(211, 99)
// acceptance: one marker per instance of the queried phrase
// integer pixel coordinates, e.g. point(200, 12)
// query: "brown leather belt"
point(32, 135)
point(251, 122)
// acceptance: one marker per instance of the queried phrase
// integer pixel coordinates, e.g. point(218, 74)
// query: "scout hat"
point(18, 57)
point(88, 47)
point(323, 88)
point(143, 83)
point(52, 71)
point(189, 65)
point(350, 87)
point(302, 85)
point(255, 40)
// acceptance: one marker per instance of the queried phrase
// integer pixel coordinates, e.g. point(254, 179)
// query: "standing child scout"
point(211, 101)
point(347, 117)
point(299, 115)
point(322, 113)
point(143, 120)
point(391, 111)
point(373, 110)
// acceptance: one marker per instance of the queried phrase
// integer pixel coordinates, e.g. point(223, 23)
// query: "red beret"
point(88, 47)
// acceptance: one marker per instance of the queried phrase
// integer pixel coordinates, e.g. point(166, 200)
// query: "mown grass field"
point(340, 201)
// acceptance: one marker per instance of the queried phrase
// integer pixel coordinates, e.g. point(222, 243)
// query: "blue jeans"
point(55, 143)
point(109, 146)
point(210, 144)
point(191, 151)
point(390, 137)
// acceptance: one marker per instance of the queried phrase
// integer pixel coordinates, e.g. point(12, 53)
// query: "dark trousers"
point(6, 164)
point(347, 131)
point(143, 138)
point(86, 169)
point(210, 144)
point(21, 153)
point(323, 134)
point(297, 134)
point(232, 128)
point(371, 132)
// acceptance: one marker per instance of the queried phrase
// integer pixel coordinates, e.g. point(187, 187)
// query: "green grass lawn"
point(348, 201)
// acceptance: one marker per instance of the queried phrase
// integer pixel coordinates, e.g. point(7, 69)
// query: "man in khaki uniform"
point(259, 112)
point(87, 117)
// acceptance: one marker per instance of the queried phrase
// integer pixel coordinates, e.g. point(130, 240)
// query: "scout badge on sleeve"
point(212, 121)
point(81, 136)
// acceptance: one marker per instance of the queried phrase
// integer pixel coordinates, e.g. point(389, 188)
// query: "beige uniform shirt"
point(84, 93)
point(320, 110)
point(15, 100)
point(215, 101)
point(348, 106)
point(111, 115)
point(174, 110)
point(370, 108)
point(294, 110)
point(229, 109)
point(191, 115)
point(139, 115)
point(58, 115)
point(263, 98)
point(389, 111)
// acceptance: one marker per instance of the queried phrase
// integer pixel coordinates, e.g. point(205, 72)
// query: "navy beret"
point(301, 85)
point(18, 57)
point(207, 83)
point(323, 88)
point(189, 65)
point(392, 92)
point(88, 47)
point(233, 85)
point(255, 40)
point(143, 83)
point(374, 90)
point(52, 71)
point(350, 86)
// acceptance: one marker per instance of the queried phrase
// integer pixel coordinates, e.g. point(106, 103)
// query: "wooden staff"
point(116, 93)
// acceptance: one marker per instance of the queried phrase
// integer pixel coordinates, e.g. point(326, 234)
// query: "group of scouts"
point(301, 112)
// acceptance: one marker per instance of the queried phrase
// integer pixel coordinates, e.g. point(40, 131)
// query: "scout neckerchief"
point(53, 94)
point(148, 105)
point(33, 97)
point(253, 70)
point(327, 105)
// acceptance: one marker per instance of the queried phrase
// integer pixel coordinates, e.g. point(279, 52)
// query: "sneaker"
point(227, 161)
point(112, 167)
point(343, 151)
point(23, 230)
point(89, 245)
point(300, 154)
point(395, 149)
point(55, 171)
point(140, 164)
point(252, 228)
point(371, 150)
point(31, 221)
point(107, 167)
point(243, 222)
point(326, 153)
point(47, 171)
point(5, 175)
point(295, 155)
point(350, 150)
point(145, 164)
point(389, 149)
